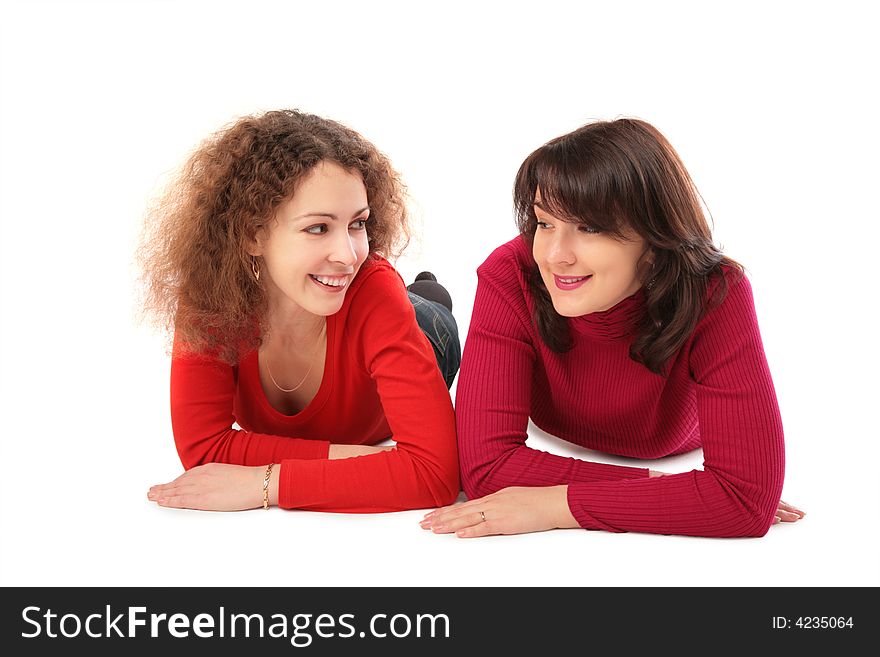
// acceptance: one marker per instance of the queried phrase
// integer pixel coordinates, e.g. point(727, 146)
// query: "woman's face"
point(585, 272)
point(317, 242)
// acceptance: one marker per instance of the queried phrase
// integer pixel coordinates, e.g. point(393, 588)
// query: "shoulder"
point(375, 274)
point(509, 258)
point(377, 288)
point(730, 305)
point(731, 283)
point(508, 269)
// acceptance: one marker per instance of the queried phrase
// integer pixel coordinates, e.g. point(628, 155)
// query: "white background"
point(770, 105)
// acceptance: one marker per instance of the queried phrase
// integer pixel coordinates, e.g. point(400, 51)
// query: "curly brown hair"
point(619, 175)
point(196, 270)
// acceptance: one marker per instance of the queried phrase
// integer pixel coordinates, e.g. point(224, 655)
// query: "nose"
point(342, 249)
point(560, 251)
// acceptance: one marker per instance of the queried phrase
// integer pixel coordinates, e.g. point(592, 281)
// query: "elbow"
point(764, 514)
point(476, 486)
point(447, 497)
point(738, 505)
point(751, 524)
point(435, 485)
point(762, 510)
point(445, 487)
point(751, 509)
point(431, 495)
point(190, 461)
point(480, 478)
point(449, 485)
point(194, 452)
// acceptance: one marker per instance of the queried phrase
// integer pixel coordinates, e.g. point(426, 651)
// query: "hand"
point(339, 451)
point(216, 487)
point(515, 510)
point(787, 513)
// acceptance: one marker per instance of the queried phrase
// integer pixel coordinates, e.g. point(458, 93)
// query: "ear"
point(256, 246)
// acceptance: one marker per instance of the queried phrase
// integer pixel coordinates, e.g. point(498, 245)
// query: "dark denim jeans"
point(438, 324)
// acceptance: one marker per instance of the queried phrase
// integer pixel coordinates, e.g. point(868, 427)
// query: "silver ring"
point(483, 516)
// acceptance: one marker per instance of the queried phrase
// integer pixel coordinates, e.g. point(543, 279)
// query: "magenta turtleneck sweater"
point(718, 395)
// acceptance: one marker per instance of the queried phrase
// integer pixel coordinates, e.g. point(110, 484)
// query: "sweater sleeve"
point(422, 471)
point(492, 402)
point(202, 392)
point(737, 492)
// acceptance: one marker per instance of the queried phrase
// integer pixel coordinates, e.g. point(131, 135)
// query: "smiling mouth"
point(331, 282)
point(570, 282)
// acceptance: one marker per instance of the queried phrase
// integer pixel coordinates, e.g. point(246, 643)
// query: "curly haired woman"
point(614, 323)
point(267, 260)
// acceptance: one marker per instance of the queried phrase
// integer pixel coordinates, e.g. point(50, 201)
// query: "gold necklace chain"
point(297, 386)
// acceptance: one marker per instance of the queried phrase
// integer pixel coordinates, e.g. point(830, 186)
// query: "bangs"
point(576, 184)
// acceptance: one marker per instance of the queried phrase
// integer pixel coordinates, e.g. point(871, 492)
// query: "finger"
point(454, 524)
point(785, 516)
point(788, 507)
point(188, 501)
point(475, 531)
point(446, 515)
point(167, 490)
point(157, 491)
point(776, 520)
point(440, 511)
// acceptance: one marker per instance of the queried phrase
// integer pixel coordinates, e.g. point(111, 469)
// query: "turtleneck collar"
point(616, 323)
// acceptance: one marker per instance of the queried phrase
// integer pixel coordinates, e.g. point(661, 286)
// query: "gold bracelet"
point(266, 486)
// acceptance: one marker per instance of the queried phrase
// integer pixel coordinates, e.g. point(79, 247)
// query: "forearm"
point(696, 503)
point(390, 480)
point(249, 448)
point(336, 452)
point(343, 451)
point(524, 466)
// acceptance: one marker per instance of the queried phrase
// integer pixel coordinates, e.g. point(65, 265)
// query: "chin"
point(568, 310)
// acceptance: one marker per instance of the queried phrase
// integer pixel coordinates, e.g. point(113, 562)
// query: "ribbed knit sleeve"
point(737, 492)
point(202, 391)
point(494, 395)
point(422, 471)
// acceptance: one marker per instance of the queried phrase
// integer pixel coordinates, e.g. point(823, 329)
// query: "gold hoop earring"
point(255, 268)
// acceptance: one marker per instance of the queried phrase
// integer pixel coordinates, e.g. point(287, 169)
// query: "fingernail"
point(438, 528)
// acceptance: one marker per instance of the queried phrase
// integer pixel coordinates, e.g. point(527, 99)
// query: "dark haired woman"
point(614, 323)
point(267, 260)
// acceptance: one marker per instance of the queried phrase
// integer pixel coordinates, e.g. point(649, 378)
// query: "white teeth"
point(572, 280)
point(333, 282)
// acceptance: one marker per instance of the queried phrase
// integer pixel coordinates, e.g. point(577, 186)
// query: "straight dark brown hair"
point(619, 175)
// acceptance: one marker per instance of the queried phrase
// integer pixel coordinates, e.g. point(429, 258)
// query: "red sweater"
point(718, 395)
point(380, 380)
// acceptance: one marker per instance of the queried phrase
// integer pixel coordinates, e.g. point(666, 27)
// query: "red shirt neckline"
point(251, 366)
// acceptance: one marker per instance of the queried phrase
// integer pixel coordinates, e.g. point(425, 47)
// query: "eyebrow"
point(330, 215)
